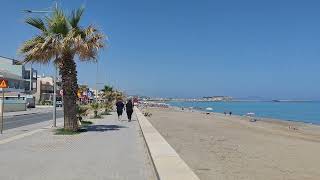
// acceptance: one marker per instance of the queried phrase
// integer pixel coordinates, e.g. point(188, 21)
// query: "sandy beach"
point(219, 147)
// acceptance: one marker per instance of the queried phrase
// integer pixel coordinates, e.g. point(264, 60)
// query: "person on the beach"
point(230, 113)
point(120, 107)
point(129, 109)
point(225, 113)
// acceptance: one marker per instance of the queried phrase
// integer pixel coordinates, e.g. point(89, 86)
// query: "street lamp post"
point(30, 85)
point(55, 75)
point(55, 97)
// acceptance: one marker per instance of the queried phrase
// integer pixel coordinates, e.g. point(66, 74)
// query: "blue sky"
point(193, 48)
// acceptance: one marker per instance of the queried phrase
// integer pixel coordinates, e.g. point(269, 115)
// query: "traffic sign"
point(4, 83)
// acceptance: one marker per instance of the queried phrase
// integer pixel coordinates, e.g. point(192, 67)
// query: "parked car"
point(59, 104)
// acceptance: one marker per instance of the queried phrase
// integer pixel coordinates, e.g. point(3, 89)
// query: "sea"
point(308, 112)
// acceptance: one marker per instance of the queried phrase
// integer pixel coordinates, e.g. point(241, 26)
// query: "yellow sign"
point(3, 83)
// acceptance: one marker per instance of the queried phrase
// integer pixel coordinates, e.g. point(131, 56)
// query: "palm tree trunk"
point(70, 86)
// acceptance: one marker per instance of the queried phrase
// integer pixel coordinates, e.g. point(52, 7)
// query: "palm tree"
point(95, 107)
point(108, 93)
point(81, 111)
point(61, 40)
point(120, 95)
point(109, 97)
point(107, 88)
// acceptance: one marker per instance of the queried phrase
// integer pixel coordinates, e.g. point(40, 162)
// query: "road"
point(23, 120)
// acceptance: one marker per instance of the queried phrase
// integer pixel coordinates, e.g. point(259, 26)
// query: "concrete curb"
point(27, 112)
point(168, 164)
point(20, 114)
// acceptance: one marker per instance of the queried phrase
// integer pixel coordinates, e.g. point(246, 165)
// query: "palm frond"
point(57, 23)
point(87, 46)
point(75, 17)
point(107, 88)
point(39, 49)
point(37, 23)
point(31, 43)
point(62, 35)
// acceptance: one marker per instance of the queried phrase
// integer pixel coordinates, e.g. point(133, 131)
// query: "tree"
point(95, 107)
point(81, 111)
point(120, 95)
point(107, 88)
point(61, 40)
point(109, 97)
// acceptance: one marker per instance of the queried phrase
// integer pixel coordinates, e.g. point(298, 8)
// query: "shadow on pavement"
point(102, 128)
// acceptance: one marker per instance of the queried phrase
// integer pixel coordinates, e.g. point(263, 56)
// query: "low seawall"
point(167, 162)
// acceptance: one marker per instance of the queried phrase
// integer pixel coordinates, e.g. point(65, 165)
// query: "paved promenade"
point(109, 150)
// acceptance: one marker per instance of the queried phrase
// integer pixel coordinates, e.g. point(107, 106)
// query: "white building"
point(44, 93)
point(21, 81)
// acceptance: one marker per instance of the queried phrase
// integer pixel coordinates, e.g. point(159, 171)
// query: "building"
point(217, 98)
point(30, 77)
point(96, 95)
point(12, 71)
point(22, 84)
point(84, 94)
point(44, 93)
point(20, 79)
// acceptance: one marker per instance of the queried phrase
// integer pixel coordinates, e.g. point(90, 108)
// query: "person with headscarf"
point(120, 106)
point(129, 109)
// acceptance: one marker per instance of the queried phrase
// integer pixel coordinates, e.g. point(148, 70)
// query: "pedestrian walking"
point(129, 109)
point(120, 106)
point(230, 113)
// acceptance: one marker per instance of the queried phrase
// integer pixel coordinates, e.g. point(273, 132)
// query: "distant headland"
point(219, 99)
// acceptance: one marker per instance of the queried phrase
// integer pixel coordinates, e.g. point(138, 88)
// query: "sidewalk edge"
point(167, 163)
point(24, 114)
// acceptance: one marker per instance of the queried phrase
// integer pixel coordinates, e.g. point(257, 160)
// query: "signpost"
point(3, 85)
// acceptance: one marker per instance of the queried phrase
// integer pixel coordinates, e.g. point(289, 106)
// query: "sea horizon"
point(297, 111)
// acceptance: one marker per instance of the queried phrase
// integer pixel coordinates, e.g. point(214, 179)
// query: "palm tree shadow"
point(102, 128)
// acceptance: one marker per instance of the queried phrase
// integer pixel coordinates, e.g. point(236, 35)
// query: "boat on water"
point(209, 109)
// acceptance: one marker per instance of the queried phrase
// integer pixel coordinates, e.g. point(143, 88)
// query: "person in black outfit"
point(120, 107)
point(129, 109)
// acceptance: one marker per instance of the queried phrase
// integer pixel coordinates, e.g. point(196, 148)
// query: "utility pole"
point(96, 94)
point(55, 97)
point(55, 74)
point(30, 89)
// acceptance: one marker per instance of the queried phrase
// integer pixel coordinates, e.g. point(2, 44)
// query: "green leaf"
point(75, 17)
point(37, 23)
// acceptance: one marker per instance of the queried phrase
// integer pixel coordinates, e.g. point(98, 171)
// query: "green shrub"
point(95, 107)
point(81, 111)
